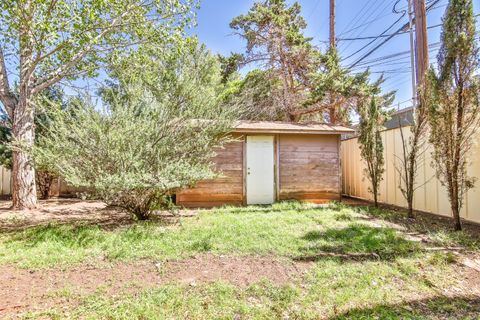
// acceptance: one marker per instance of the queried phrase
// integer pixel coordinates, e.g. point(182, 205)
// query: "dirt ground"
point(60, 211)
point(38, 290)
point(70, 211)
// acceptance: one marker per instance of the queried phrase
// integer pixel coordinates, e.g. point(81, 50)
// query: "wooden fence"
point(5, 186)
point(59, 186)
point(430, 196)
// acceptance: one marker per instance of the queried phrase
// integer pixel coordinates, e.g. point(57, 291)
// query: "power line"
point(403, 28)
point(356, 18)
point(368, 22)
point(388, 35)
point(375, 39)
point(373, 20)
point(395, 56)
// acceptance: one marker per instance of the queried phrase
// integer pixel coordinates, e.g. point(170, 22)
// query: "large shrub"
point(132, 154)
point(155, 132)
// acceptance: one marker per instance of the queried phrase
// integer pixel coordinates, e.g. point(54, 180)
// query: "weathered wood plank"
point(226, 189)
point(200, 197)
point(309, 196)
point(212, 204)
point(309, 168)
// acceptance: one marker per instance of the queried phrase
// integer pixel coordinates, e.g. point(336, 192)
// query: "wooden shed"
point(273, 161)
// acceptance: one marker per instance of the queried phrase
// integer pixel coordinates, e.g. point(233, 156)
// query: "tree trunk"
point(456, 217)
point(410, 210)
point(24, 193)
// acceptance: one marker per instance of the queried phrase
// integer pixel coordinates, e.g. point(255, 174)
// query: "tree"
point(413, 147)
point(157, 133)
point(372, 118)
point(229, 66)
point(453, 103)
point(258, 93)
point(44, 42)
point(50, 97)
point(5, 152)
point(304, 83)
point(335, 92)
point(273, 32)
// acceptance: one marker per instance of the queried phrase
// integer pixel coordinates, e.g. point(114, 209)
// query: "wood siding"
point(309, 167)
point(225, 190)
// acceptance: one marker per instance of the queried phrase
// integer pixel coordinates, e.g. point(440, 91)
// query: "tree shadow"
point(441, 307)
point(75, 212)
point(357, 242)
point(84, 235)
point(424, 222)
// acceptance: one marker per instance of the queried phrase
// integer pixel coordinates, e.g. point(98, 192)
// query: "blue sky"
point(355, 18)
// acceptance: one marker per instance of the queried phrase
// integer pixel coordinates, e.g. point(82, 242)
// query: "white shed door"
point(260, 170)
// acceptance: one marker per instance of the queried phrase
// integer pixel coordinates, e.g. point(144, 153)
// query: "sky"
point(355, 18)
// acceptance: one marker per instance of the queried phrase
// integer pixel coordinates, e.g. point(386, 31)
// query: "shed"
point(271, 161)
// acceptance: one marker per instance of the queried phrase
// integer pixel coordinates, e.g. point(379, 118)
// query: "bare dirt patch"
point(73, 211)
point(24, 290)
point(61, 211)
point(240, 271)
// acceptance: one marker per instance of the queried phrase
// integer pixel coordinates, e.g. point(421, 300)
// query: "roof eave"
point(287, 131)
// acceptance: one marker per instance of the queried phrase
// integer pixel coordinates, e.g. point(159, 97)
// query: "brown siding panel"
point(309, 168)
point(224, 190)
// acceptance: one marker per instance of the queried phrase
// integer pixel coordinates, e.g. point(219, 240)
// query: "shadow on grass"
point(438, 228)
point(298, 207)
point(357, 242)
point(442, 307)
point(83, 235)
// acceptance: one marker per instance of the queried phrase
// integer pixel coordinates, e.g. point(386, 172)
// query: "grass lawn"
point(286, 261)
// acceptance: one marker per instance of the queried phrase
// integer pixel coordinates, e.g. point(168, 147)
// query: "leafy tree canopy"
point(308, 84)
point(44, 42)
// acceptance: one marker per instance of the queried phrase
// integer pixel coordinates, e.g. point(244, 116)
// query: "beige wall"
point(430, 195)
point(59, 186)
point(4, 181)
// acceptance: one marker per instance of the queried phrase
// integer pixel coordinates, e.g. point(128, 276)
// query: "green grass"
point(333, 290)
point(360, 270)
point(285, 229)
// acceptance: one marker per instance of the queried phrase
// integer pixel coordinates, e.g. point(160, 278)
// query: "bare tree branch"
point(6, 96)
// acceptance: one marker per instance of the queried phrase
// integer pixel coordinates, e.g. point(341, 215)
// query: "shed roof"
point(288, 127)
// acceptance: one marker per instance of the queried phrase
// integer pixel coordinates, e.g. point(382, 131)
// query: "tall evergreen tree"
point(453, 99)
point(372, 118)
point(303, 83)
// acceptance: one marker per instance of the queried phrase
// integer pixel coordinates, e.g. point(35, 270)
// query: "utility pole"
point(412, 53)
point(421, 41)
point(333, 40)
point(333, 46)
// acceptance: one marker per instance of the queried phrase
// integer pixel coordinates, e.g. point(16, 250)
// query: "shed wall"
point(309, 170)
point(309, 167)
point(225, 190)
